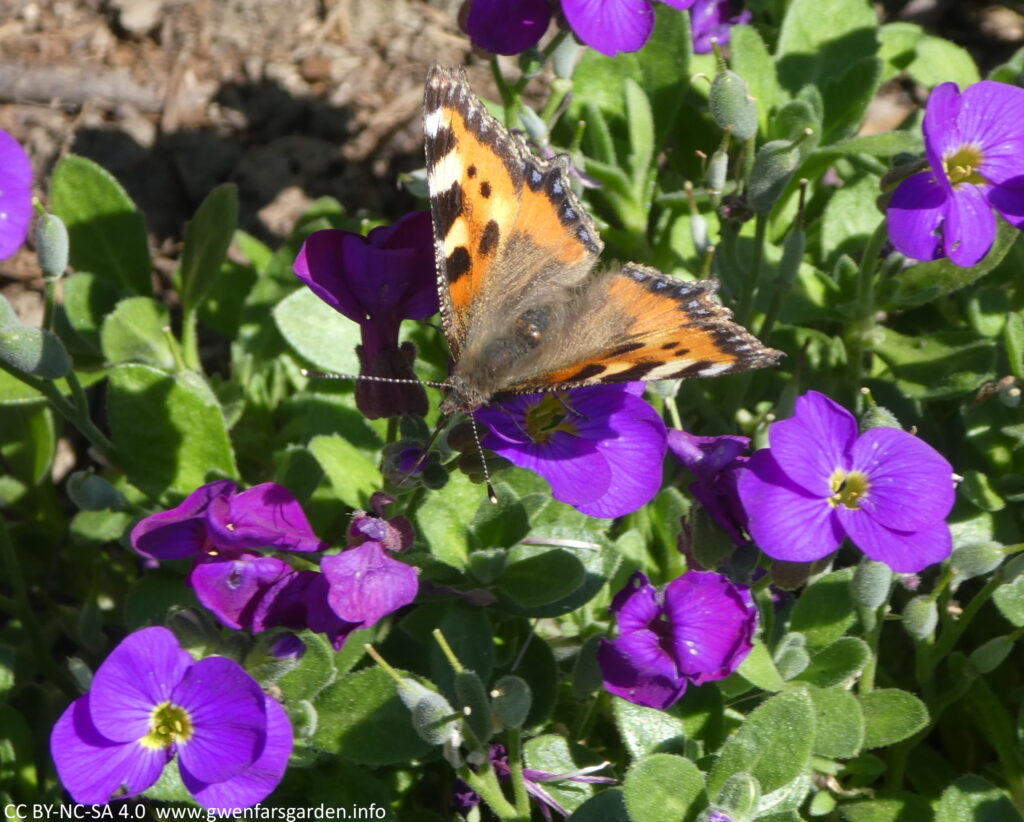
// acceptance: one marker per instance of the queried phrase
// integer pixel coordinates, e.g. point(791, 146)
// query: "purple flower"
point(713, 19)
point(507, 26)
point(366, 584)
point(378, 281)
point(395, 534)
point(612, 26)
point(886, 490)
point(975, 147)
point(699, 629)
point(465, 798)
point(15, 194)
point(715, 462)
point(601, 447)
point(151, 702)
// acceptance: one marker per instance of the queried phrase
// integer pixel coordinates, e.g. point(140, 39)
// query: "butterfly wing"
point(506, 223)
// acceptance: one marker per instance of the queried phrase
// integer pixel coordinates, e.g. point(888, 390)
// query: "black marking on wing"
point(458, 263)
point(449, 208)
point(489, 239)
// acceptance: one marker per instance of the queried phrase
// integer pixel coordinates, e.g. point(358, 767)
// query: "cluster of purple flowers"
point(607, 26)
point(220, 528)
point(151, 702)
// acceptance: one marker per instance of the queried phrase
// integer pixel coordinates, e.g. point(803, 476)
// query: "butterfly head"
point(463, 396)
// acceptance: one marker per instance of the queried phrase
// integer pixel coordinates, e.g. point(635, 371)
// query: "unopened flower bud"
point(52, 245)
point(774, 166)
point(476, 707)
point(791, 657)
point(731, 104)
point(920, 616)
point(92, 493)
point(511, 700)
point(34, 351)
point(969, 561)
point(871, 583)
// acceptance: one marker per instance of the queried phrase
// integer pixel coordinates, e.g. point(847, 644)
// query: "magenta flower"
point(507, 26)
point(149, 703)
point(699, 629)
point(613, 26)
point(888, 491)
point(15, 194)
point(378, 281)
point(713, 19)
point(715, 463)
point(975, 147)
point(366, 584)
point(601, 447)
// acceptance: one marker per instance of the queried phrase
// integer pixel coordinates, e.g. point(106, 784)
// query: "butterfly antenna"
point(493, 497)
point(323, 375)
point(441, 422)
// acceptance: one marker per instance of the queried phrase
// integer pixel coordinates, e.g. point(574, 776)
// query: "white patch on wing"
point(432, 122)
point(715, 368)
point(446, 172)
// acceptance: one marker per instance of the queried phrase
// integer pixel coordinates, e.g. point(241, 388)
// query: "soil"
point(290, 99)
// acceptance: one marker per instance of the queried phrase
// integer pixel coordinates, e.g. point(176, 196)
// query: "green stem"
point(190, 339)
point(49, 301)
point(485, 783)
point(859, 337)
point(951, 631)
point(874, 618)
point(749, 285)
point(515, 761)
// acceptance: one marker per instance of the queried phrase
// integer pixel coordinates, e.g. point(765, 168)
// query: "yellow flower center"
point(168, 723)
point(848, 488)
point(964, 165)
point(548, 416)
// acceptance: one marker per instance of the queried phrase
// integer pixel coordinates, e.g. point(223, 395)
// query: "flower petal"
point(713, 623)
point(229, 720)
point(266, 515)
point(784, 520)
point(1008, 199)
point(234, 588)
point(507, 26)
point(92, 768)
point(970, 227)
point(139, 674)
point(910, 484)
point(624, 678)
point(611, 26)
point(366, 584)
point(181, 531)
point(915, 216)
point(257, 781)
point(906, 552)
point(15, 194)
point(320, 265)
point(990, 118)
point(814, 442)
point(941, 132)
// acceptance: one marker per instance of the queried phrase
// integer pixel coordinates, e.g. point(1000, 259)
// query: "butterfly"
point(523, 309)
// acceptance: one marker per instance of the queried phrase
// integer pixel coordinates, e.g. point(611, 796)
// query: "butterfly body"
point(523, 309)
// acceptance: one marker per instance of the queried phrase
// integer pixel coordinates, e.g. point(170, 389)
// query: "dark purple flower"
point(715, 462)
point(699, 629)
point(216, 517)
point(15, 194)
point(507, 26)
point(975, 147)
point(366, 584)
point(395, 534)
point(613, 26)
point(288, 646)
point(150, 702)
point(378, 281)
point(713, 19)
point(232, 587)
point(466, 798)
point(888, 491)
point(601, 447)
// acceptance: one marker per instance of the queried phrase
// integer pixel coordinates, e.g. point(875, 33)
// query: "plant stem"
point(951, 631)
point(190, 339)
point(858, 341)
point(515, 761)
point(485, 783)
point(749, 283)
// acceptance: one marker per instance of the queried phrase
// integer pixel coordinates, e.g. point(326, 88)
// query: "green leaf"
point(6, 670)
point(825, 611)
point(154, 593)
point(28, 443)
point(751, 60)
point(944, 364)
point(1013, 340)
point(87, 300)
point(759, 669)
point(973, 799)
point(850, 217)
point(662, 788)
point(878, 145)
point(838, 663)
point(362, 719)
point(168, 429)
point(646, 730)
point(207, 237)
point(814, 47)
point(541, 579)
point(847, 98)
point(314, 672)
point(444, 519)
point(318, 332)
point(607, 806)
point(352, 476)
point(774, 743)
point(640, 121)
point(468, 631)
point(891, 715)
point(904, 809)
point(937, 60)
point(925, 282)
point(18, 771)
point(134, 332)
point(107, 230)
point(1009, 599)
point(550, 752)
point(838, 723)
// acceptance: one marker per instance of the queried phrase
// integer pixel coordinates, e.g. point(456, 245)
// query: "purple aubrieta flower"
point(885, 489)
point(715, 463)
point(151, 702)
point(507, 26)
point(613, 26)
point(975, 147)
point(713, 19)
point(378, 281)
point(601, 447)
point(366, 584)
point(15, 194)
point(699, 629)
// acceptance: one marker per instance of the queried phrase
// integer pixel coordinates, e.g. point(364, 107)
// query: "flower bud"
point(774, 166)
point(535, 127)
point(471, 696)
point(564, 58)
point(34, 351)
point(920, 616)
point(791, 657)
point(511, 700)
point(989, 656)
point(969, 561)
point(732, 105)
point(871, 583)
point(878, 416)
point(718, 169)
point(52, 245)
point(92, 493)
point(1010, 395)
point(432, 718)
